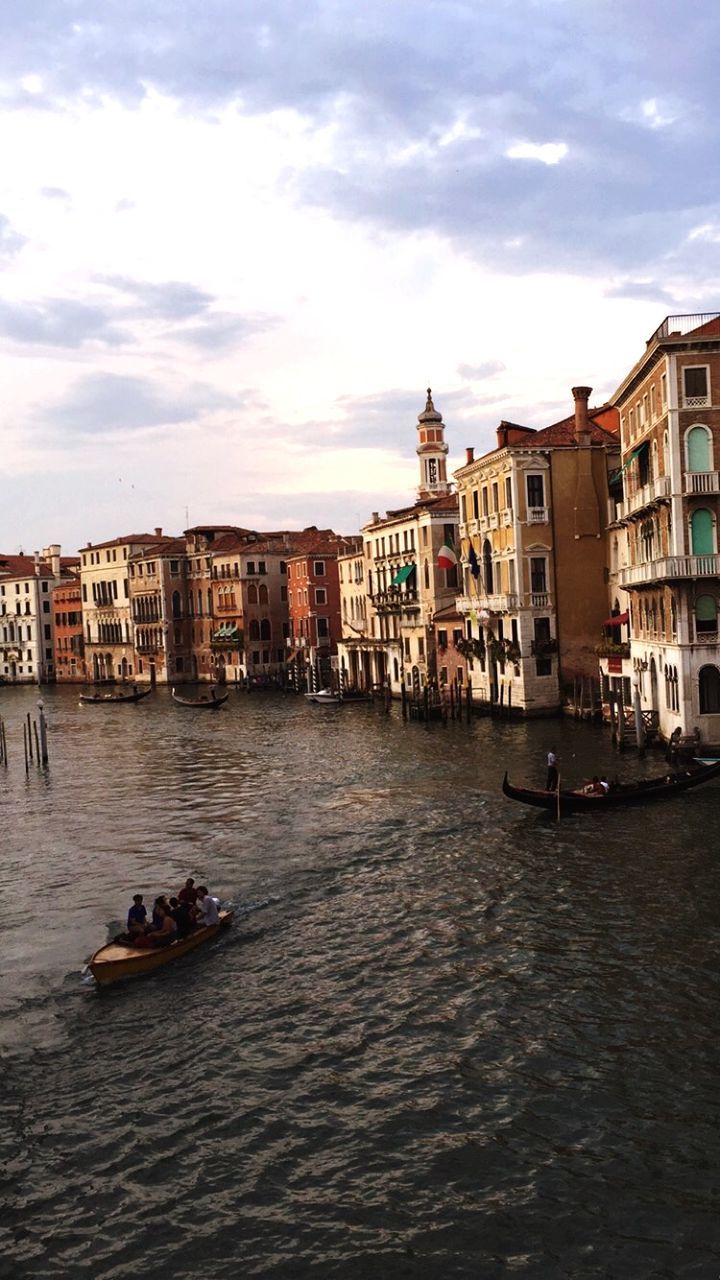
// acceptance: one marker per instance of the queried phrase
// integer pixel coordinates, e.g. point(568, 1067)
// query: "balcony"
point(148, 646)
point(506, 516)
point(226, 606)
point(679, 326)
point(609, 649)
point(644, 497)
point(537, 515)
point(670, 567)
point(702, 482)
point(395, 601)
point(507, 603)
point(539, 600)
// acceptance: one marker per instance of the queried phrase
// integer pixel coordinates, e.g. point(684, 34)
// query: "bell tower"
point(432, 452)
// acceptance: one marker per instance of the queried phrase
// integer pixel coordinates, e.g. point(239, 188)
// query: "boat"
point(325, 695)
point(136, 696)
point(206, 701)
point(119, 960)
point(640, 791)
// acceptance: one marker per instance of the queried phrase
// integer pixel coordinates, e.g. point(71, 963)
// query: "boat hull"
point(90, 699)
point(641, 792)
point(116, 962)
point(201, 704)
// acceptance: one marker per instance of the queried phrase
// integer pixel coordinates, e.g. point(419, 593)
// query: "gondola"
point(207, 701)
point(639, 792)
point(136, 696)
point(119, 960)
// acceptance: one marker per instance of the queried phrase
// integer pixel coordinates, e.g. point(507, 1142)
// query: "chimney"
point(582, 422)
point(469, 454)
point(375, 517)
point(158, 533)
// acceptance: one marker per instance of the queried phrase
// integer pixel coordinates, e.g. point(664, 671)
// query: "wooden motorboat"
point(135, 696)
point(119, 960)
point(207, 701)
point(641, 791)
point(325, 695)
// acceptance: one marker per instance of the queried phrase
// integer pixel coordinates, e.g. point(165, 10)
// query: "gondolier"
point(551, 782)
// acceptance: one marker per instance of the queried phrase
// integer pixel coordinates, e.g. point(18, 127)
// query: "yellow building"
point(533, 517)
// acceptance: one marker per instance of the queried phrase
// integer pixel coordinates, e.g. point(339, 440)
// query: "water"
point(447, 1036)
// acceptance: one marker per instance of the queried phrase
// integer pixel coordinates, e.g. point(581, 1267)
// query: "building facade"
point(533, 519)
point(27, 644)
point(669, 406)
point(106, 603)
point(69, 635)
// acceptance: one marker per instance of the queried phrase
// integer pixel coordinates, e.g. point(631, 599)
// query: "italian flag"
point(446, 556)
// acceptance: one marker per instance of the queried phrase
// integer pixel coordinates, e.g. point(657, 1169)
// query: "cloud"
point(545, 152)
point(11, 242)
point(105, 402)
point(476, 372)
point(59, 322)
point(167, 300)
point(54, 193)
point(642, 291)
point(222, 330)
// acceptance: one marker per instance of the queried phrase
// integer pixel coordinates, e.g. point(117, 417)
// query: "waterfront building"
point(314, 613)
point(156, 582)
point(404, 584)
point(355, 608)
point(250, 627)
point(669, 405)
point(533, 519)
point(68, 633)
point(107, 615)
point(27, 647)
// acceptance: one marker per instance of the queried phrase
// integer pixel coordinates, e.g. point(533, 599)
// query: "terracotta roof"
point(443, 502)
point(23, 567)
point(149, 539)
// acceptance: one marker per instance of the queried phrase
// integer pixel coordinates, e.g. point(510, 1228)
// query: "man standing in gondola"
point(553, 777)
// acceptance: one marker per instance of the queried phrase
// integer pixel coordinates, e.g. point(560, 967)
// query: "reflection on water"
point(448, 1036)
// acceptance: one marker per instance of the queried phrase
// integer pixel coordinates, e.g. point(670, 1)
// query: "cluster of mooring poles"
point(34, 740)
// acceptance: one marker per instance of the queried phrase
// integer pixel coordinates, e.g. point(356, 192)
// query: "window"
point(508, 492)
point(535, 491)
point(251, 566)
point(695, 386)
point(174, 569)
point(262, 567)
point(495, 498)
point(663, 390)
point(699, 449)
point(538, 574)
point(485, 501)
point(653, 405)
point(705, 615)
point(319, 568)
point(702, 538)
point(709, 689)
point(320, 595)
point(323, 628)
point(442, 639)
point(476, 504)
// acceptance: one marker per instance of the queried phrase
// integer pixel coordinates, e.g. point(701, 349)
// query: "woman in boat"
point(163, 934)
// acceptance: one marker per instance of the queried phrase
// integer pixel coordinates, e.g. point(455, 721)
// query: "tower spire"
point(432, 452)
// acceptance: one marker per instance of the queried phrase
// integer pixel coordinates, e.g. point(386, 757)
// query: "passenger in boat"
point(207, 908)
point(594, 788)
point(604, 784)
point(551, 782)
point(137, 917)
point(161, 908)
point(189, 893)
point(180, 912)
point(164, 934)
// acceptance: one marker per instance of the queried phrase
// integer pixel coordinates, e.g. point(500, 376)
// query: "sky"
point(239, 238)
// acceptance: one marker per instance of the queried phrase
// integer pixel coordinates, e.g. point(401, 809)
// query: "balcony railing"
point(679, 326)
point(537, 515)
point(701, 482)
point(650, 492)
point(395, 601)
point(608, 649)
point(670, 567)
point(539, 600)
point(696, 402)
point(226, 606)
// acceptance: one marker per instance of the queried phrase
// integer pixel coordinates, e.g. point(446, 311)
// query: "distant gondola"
point(136, 696)
point(639, 792)
point(207, 702)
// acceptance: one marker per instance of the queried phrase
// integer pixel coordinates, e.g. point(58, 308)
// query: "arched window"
point(701, 533)
point(709, 685)
point(265, 629)
point(426, 574)
point(176, 607)
point(254, 629)
point(666, 453)
point(252, 594)
point(705, 615)
point(698, 445)
point(673, 616)
point(263, 593)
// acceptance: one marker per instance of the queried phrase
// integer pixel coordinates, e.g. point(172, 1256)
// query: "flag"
point(474, 563)
point(447, 558)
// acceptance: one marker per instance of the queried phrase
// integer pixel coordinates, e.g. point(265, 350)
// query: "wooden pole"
point(29, 734)
point(37, 743)
point(4, 745)
point(43, 736)
point(469, 700)
point(509, 699)
point(403, 700)
point(25, 744)
point(558, 796)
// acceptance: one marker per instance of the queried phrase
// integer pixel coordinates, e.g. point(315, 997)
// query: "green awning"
point(402, 575)
point(635, 454)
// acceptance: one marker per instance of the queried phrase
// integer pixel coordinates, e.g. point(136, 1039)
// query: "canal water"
point(447, 1036)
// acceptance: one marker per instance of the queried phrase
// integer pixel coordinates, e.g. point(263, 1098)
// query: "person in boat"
point(188, 893)
point(161, 907)
point(164, 934)
point(136, 917)
point(553, 777)
point(595, 787)
point(180, 912)
point(604, 784)
point(207, 908)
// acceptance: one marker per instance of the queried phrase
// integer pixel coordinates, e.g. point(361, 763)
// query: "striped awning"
point(402, 575)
